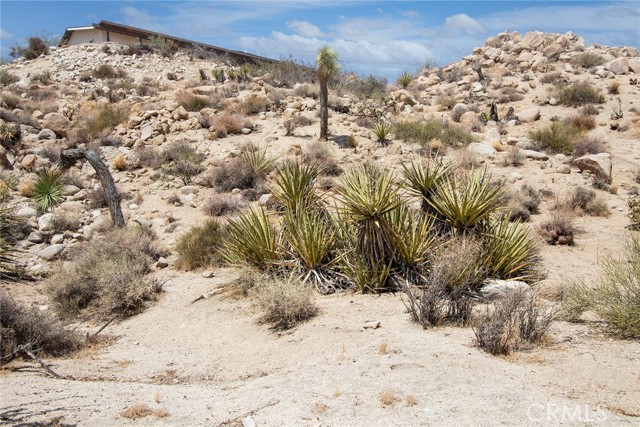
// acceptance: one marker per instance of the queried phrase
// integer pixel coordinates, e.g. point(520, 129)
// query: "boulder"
point(45, 222)
point(552, 51)
point(496, 289)
point(45, 134)
point(597, 164)
point(529, 115)
point(478, 148)
point(146, 132)
point(57, 122)
point(26, 212)
point(405, 97)
point(180, 113)
point(618, 66)
point(28, 161)
point(51, 252)
point(536, 155)
point(634, 64)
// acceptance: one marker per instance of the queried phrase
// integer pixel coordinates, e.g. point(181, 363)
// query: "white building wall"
point(120, 38)
point(86, 36)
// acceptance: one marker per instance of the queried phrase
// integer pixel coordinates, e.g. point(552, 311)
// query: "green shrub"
point(36, 46)
point(107, 277)
point(200, 246)
point(423, 180)
point(294, 186)
point(423, 132)
point(578, 94)
point(587, 60)
point(616, 296)
point(47, 189)
point(252, 240)
point(557, 137)
point(381, 130)
point(404, 80)
point(10, 135)
point(29, 326)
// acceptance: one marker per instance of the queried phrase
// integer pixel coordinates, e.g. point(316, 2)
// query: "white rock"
point(51, 252)
point(478, 148)
point(495, 289)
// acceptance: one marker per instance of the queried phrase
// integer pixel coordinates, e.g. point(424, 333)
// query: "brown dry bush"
point(509, 94)
point(222, 204)
point(559, 229)
point(236, 173)
point(319, 154)
point(614, 88)
point(589, 145)
point(523, 203)
point(254, 104)
point(149, 157)
point(231, 123)
point(106, 71)
point(284, 303)
point(199, 246)
point(108, 277)
point(20, 325)
point(192, 102)
point(516, 322)
point(582, 122)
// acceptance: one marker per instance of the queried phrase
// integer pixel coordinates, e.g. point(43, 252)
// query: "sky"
point(382, 38)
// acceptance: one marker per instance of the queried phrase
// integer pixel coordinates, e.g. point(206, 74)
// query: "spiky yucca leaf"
point(364, 276)
point(381, 130)
point(258, 159)
point(366, 195)
point(294, 186)
point(465, 205)
point(511, 251)
point(47, 190)
point(311, 236)
point(405, 79)
point(251, 239)
point(414, 237)
point(421, 181)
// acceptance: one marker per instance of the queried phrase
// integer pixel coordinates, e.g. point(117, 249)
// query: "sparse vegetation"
point(423, 132)
point(587, 60)
point(404, 80)
point(192, 102)
point(102, 122)
point(200, 247)
point(578, 94)
point(558, 137)
point(284, 303)
point(106, 71)
point(6, 78)
point(559, 229)
point(47, 189)
point(36, 46)
point(588, 145)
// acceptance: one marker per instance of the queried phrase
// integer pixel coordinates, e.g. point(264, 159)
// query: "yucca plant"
point(218, 75)
point(294, 186)
point(423, 182)
point(9, 268)
point(363, 275)
point(251, 239)
point(415, 238)
point(47, 190)
point(511, 251)
point(367, 194)
point(258, 159)
point(466, 204)
point(404, 80)
point(381, 130)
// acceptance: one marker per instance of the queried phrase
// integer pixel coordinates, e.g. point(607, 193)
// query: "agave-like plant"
point(405, 79)
point(252, 239)
point(468, 203)
point(294, 186)
point(511, 251)
point(258, 159)
point(364, 276)
point(367, 195)
point(423, 181)
point(381, 130)
point(47, 190)
point(414, 238)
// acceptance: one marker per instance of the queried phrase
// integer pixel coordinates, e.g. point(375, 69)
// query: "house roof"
point(146, 34)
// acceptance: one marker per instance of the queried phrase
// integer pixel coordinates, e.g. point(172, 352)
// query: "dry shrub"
point(107, 277)
point(614, 88)
point(192, 102)
point(589, 145)
point(411, 400)
point(587, 201)
point(319, 154)
point(231, 123)
point(582, 122)
point(559, 229)
point(236, 173)
point(20, 325)
point(106, 71)
point(25, 188)
point(254, 104)
point(388, 397)
point(142, 410)
point(222, 204)
point(516, 322)
point(352, 141)
point(557, 137)
point(587, 60)
point(523, 203)
point(199, 246)
point(104, 119)
point(509, 94)
point(149, 157)
point(284, 303)
point(120, 162)
point(240, 288)
point(65, 221)
point(515, 156)
point(578, 94)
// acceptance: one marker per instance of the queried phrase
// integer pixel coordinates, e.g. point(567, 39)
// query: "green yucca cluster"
point(369, 235)
point(47, 190)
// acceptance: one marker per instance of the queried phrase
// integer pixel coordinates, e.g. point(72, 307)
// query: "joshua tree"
point(327, 61)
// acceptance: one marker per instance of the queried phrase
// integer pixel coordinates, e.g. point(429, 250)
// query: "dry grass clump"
point(25, 188)
point(107, 277)
point(285, 303)
point(559, 229)
point(249, 171)
point(106, 71)
point(509, 94)
point(230, 124)
point(515, 156)
point(578, 94)
point(200, 246)
point(515, 322)
point(223, 204)
point(149, 157)
point(320, 155)
point(615, 298)
point(388, 397)
point(523, 203)
point(588, 201)
point(20, 325)
point(120, 162)
point(192, 102)
point(6, 78)
point(557, 137)
point(102, 122)
point(614, 88)
point(141, 411)
point(184, 161)
point(589, 145)
point(582, 122)
point(254, 104)
point(587, 60)
point(423, 132)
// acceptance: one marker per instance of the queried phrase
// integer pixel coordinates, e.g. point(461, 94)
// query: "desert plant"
point(582, 122)
point(327, 69)
point(515, 322)
point(10, 135)
point(578, 94)
point(615, 297)
point(120, 162)
point(510, 250)
point(284, 303)
point(192, 102)
point(43, 77)
point(404, 80)
point(634, 212)
point(557, 137)
point(6, 78)
point(426, 131)
point(365, 88)
point(321, 156)
point(466, 204)
point(237, 173)
point(165, 47)
point(254, 104)
point(587, 60)
point(103, 120)
point(414, 240)
point(106, 71)
point(381, 130)
point(222, 204)
point(231, 123)
point(36, 46)
point(588, 145)
point(107, 278)
point(47, 189)
point(252, 239)
point(258, 159)
point(200, 246)
point(614, 88)
point(149, 156)
point(185, 161)
point(423, 181)
point(10, 268)
point(33, 328)
point(294, 186)
point(587, 201)
point(559, 229)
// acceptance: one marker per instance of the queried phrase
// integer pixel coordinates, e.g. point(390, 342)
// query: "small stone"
point(46, 134)
point(51, 252)
point(371, 325)
point(208, 274)
point(495, 289)
point(162, 263)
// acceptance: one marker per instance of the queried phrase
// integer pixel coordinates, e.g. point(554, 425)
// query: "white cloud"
point(140, 18)
point(410, 14)
point(5, 34)
point(305, 28)
point(463, 23)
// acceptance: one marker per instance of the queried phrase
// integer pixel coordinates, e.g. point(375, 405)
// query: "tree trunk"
point(69, 157)
point(324, 109)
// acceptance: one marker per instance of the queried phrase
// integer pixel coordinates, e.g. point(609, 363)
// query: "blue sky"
point(380, 38)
